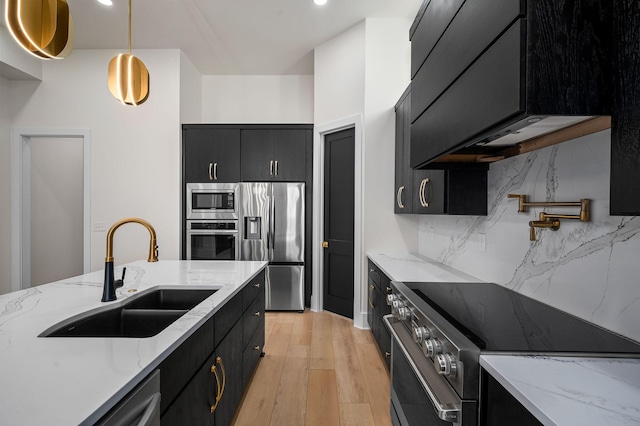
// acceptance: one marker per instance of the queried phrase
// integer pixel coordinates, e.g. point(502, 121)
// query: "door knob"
point(325, 244)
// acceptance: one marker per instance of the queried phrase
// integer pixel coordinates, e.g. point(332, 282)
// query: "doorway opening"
point(317, 297)
point(50, 205)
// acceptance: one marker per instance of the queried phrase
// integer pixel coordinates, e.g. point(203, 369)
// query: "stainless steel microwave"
point(212, 201)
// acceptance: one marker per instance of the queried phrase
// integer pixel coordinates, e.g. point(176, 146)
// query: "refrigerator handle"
point(272, 223)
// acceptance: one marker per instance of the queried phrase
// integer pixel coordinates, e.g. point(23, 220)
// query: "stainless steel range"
point(439, 331)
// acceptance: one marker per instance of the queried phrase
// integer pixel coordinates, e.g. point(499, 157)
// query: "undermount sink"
point(140, 316)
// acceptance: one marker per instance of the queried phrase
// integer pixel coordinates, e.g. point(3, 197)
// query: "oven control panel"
point(435, 345)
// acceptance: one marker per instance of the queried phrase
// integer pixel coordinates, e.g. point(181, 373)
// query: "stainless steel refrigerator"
point(272, 229)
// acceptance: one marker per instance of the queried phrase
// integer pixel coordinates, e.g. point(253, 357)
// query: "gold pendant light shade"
point(128, 79)
point(128, 76)
point(43, 28)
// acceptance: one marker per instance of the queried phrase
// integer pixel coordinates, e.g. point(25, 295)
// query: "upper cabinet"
point(210, 154)
point(403, 173)
point(625, 126)
point(459, 189)
point(274, 154)
point(489, 74)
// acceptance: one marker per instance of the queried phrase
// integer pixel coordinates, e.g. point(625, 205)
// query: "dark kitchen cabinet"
point(456, 188)
point(379, 287)
point(453, 191)
point(403, 173)
point(485, 69)
point(210, 154)
point(274, 154)
point(625, 120)
point(211, 364)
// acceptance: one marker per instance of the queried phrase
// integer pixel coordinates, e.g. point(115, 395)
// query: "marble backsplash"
point(591, 270)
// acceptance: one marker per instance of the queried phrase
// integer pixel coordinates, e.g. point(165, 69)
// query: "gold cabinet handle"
point(399, 197)
point(215, 171)
point(210, 171)
point(219, 386)
point(257, 285)
point(423, 188)
point(371, 288)
point(257, 313)
point(271, 168)
point(325, 244)
point(276, 167)
point(256, 348)
point(387, 354)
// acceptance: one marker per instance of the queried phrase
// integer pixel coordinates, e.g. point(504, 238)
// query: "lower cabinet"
point(203, 380)
point(379, 287)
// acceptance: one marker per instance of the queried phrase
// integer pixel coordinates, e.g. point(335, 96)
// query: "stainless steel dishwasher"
point(141, 407)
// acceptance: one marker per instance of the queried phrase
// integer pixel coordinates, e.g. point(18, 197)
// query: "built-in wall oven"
point(440, 330)
point(211, 226)
point(212, 240)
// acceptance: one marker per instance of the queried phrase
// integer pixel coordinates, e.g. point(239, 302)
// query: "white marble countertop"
point(414, 268)
point(567, 391)
point(71, 381)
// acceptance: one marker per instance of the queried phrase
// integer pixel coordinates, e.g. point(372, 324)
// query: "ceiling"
point(244, 37)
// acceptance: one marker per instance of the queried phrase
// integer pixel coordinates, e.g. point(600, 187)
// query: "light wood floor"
point(318, 370)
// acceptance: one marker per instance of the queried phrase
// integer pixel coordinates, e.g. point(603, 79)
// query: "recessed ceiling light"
point(320, 2)
point(105, 2)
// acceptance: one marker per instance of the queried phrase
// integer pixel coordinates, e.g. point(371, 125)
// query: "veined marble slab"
point(415, 268)
point(71, 381)
point(567, 391)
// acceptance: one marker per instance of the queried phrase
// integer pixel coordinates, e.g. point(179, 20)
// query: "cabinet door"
point(403, 173)
point(193, 406)
point(256, 155)
point(371, 303)
point(429, 191)
point(289, 155)
point(252, 352)
point(229, 351)
point(211, 155)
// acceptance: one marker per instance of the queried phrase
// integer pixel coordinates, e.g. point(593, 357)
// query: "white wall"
point(16, 63)
point(190, 91)
point(589, 269)
point(387, 75)
point(363, 71)
point(135, 150)
point(257, 99)
point(5, 189)
point(339, 70)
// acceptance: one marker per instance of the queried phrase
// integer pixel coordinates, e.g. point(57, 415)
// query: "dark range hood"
point(501, 74)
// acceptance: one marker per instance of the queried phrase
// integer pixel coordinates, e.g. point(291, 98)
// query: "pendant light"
point(128, 76)
point(43, 28)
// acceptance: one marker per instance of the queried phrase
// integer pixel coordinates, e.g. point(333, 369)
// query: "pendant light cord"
point(129, 27)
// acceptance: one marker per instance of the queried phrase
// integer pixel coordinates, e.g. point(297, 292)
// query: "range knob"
point(391, 298)
point(446, 364)
point(404, 313)
point(420, 334)
point(432, 347)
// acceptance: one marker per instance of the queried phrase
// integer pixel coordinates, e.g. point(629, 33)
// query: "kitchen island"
point(64, 380)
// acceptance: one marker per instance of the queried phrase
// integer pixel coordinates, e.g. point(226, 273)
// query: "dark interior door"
point(338, 222)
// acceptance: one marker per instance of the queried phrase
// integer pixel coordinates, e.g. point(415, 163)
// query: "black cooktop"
point(499, 319)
